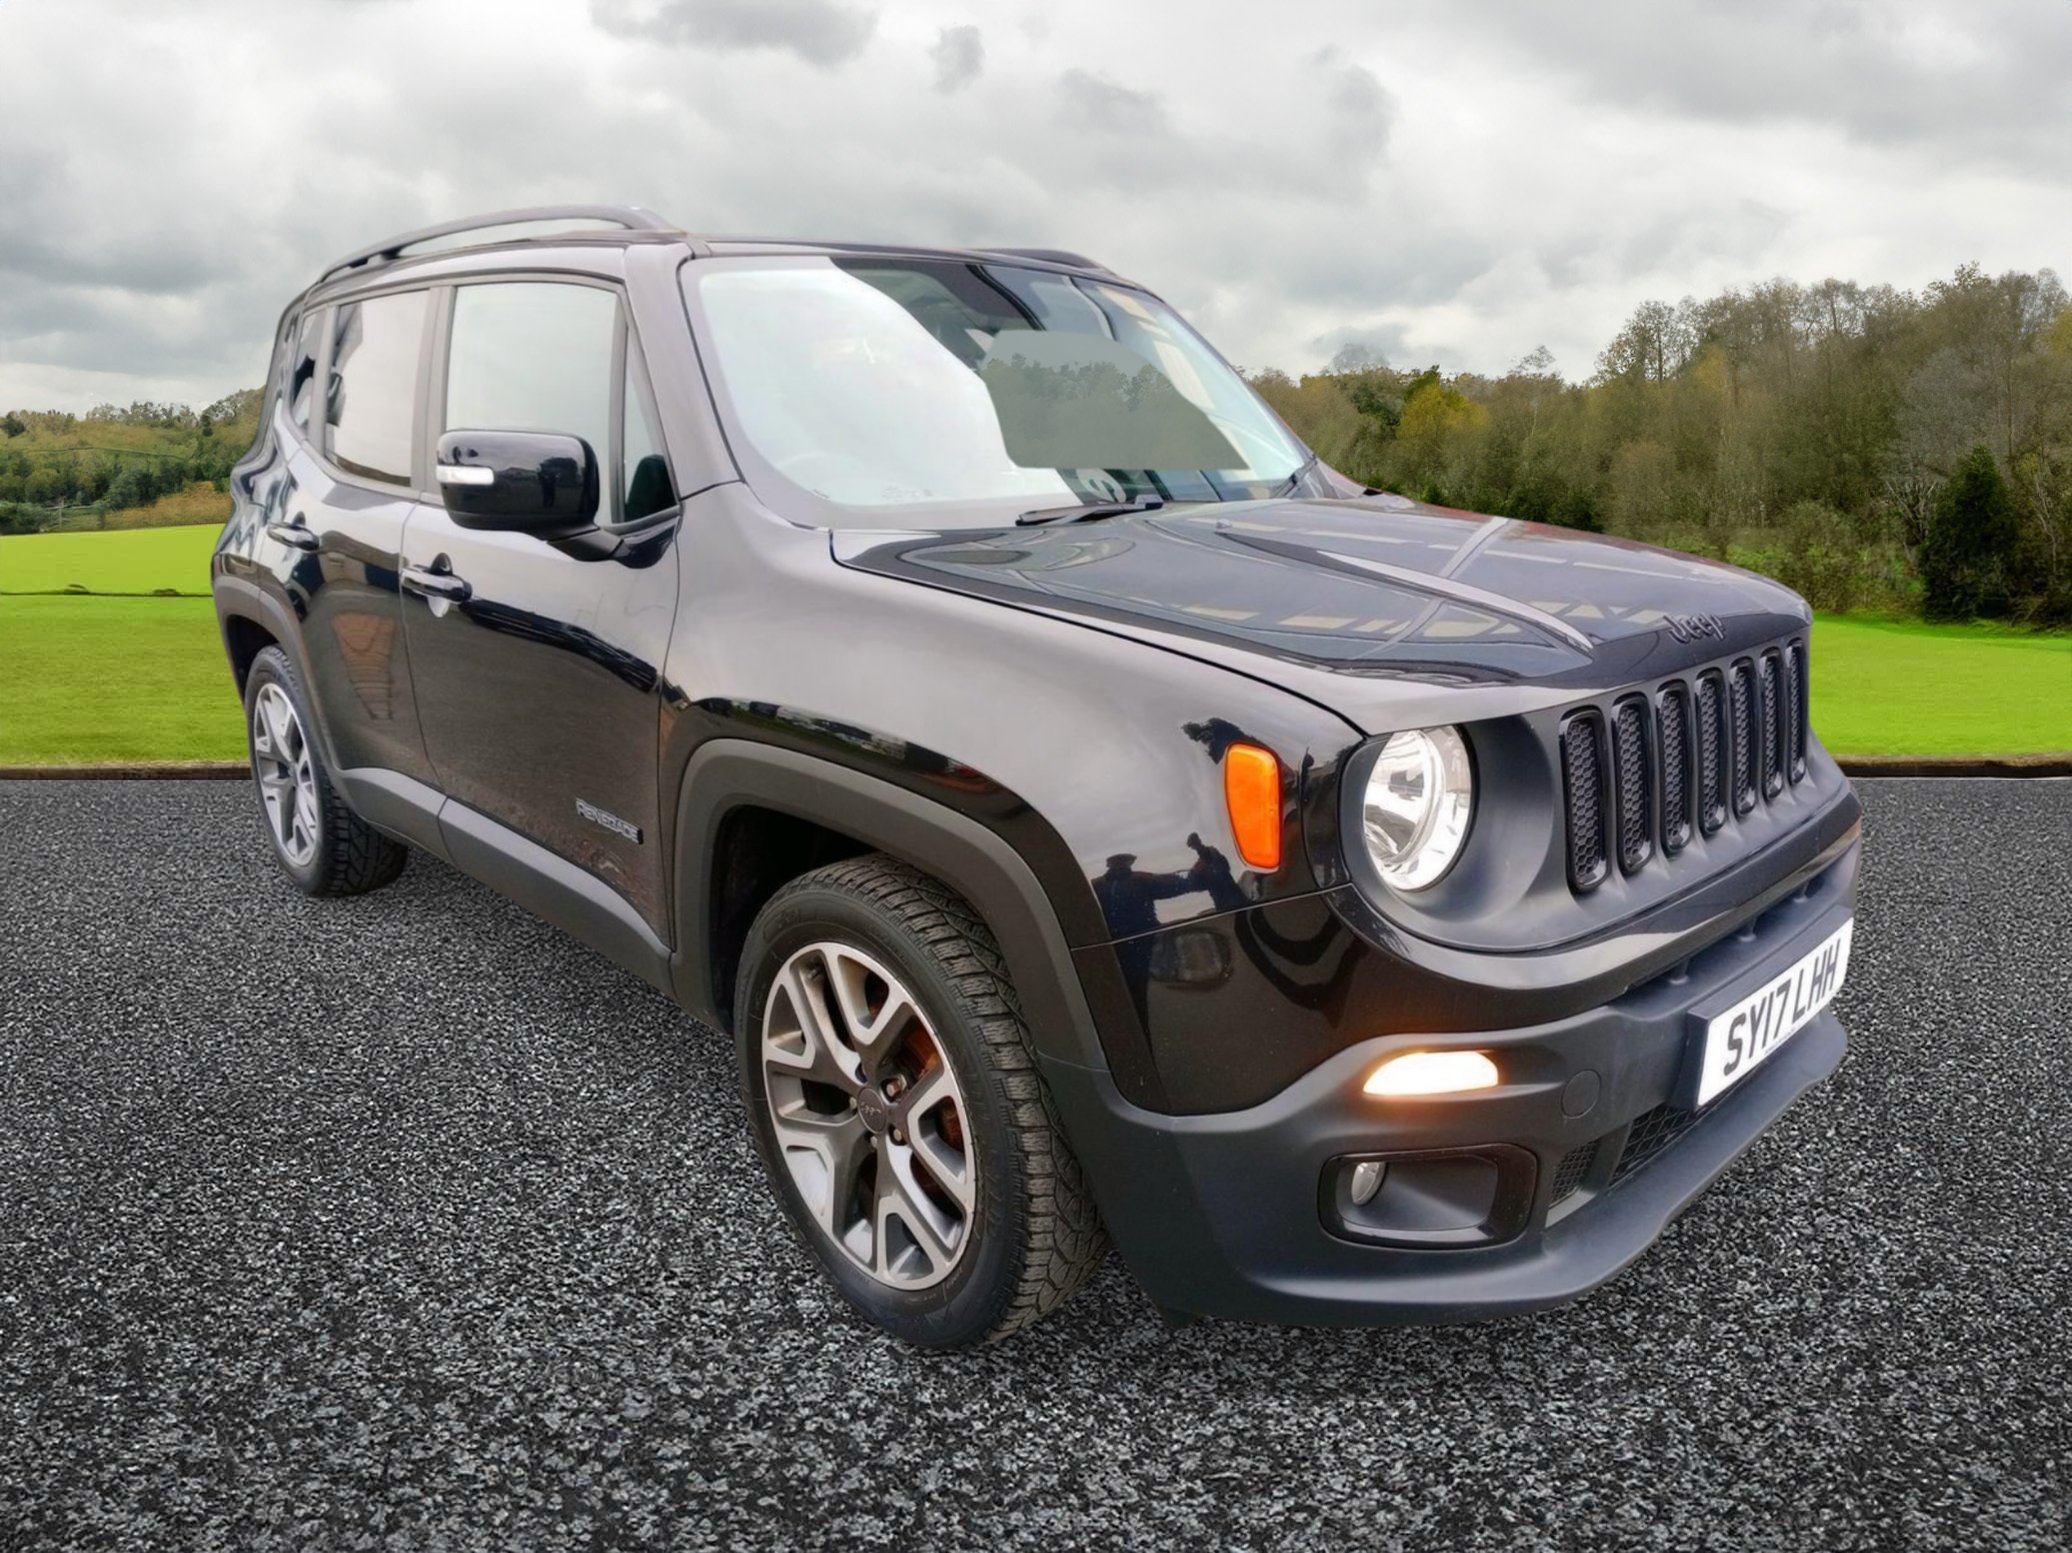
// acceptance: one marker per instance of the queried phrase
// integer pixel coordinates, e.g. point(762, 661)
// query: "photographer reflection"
point(1130, 896)
point(1212, 872)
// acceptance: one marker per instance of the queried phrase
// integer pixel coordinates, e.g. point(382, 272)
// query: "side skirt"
point(548, 886)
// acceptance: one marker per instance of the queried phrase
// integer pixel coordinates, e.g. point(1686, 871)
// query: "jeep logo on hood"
point(1694, 628)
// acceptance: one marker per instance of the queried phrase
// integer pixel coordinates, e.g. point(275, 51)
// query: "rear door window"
point(370, 417)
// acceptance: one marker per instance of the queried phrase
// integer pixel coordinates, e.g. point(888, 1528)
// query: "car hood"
point(1358, 603)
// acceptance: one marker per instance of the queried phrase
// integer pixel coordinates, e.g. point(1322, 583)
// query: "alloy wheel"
point(869, 1115)
point(286, 770)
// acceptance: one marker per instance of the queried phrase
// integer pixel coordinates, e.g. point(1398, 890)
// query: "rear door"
point(355, 393)
point(537, 663)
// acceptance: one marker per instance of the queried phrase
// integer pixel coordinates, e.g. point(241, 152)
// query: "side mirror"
point(532, 481)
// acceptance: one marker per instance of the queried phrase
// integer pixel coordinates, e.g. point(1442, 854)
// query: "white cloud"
point(1459, 183)
point(959, 55)
point(818, 31)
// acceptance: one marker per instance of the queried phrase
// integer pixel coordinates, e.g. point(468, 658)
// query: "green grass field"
point(1898, 687)
point(138, 561)
point(93, 681)
point(125, 679)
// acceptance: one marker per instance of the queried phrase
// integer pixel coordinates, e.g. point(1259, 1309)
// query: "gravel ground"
point(407, 1221)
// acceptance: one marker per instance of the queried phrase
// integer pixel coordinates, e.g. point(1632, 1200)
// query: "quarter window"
point(371, 410)
point(302, 372)
point(647, 486)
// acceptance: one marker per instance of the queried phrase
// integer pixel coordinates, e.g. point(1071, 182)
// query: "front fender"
point(1098, 758)
point(728, 774)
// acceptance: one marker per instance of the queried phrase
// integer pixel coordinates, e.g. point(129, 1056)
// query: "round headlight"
point(1418, 800)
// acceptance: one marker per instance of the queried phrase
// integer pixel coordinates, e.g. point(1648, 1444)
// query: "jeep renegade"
point(1092, 816)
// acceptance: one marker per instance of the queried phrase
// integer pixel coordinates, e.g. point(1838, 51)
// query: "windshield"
point(889, 391)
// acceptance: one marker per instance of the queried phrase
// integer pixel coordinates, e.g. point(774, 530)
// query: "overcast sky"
point(1447, 183)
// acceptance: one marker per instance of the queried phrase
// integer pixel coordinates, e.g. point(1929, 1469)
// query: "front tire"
point(321, 845)
point(895, 1100)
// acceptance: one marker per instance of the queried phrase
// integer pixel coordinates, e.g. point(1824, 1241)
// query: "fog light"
point(1432, 1073)
point(1365, 1181)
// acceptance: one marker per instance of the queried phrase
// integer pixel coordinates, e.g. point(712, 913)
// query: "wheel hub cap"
point(869, 1115)
point(872, 1111)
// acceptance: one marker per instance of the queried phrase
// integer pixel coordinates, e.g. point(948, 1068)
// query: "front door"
point(537, 664)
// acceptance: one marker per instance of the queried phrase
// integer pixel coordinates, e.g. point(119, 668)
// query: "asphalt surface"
point(407, 1222)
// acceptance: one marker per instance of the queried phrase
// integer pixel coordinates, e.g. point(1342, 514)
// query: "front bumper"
point(1228, 1214)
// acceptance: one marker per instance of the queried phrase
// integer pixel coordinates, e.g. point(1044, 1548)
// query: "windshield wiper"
point(1294, 481)
point(1081, 511)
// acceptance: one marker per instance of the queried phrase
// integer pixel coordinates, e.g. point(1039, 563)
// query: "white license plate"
point(1738, 1041)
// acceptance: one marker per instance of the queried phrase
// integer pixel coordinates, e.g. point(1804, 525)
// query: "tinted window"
point(372, 407)
point(647, 486)
point(534, 357)
point(302, 371)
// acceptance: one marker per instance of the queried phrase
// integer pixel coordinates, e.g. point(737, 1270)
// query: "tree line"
point(1868, 446)
point(116, 457)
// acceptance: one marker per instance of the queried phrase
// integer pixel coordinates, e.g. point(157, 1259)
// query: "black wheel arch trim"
point(238, 598)
point(724, 775)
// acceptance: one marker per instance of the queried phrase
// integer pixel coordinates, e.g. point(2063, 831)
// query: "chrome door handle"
point(435, 585)
point(293, 535)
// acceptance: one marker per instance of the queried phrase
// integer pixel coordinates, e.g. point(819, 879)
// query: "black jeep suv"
point(1091, 815)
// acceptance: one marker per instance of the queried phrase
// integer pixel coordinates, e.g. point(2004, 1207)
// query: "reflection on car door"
point(539, 690)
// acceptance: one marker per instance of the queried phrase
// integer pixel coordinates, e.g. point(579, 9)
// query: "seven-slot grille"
point(1651, 772)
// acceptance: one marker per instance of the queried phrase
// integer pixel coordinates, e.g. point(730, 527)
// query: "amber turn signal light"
point(1252, 792)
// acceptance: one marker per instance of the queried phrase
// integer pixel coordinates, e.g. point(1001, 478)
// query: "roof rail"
point(1058, 256)
point(633, 218)
point(1077, 261)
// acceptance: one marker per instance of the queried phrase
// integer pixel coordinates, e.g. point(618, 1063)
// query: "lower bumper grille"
point(1568, 1175)
point(1651, 1133)
point(1590, 1168)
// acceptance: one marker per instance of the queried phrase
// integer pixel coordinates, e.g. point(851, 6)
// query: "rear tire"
point(321, 845)
point(957, 1221)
